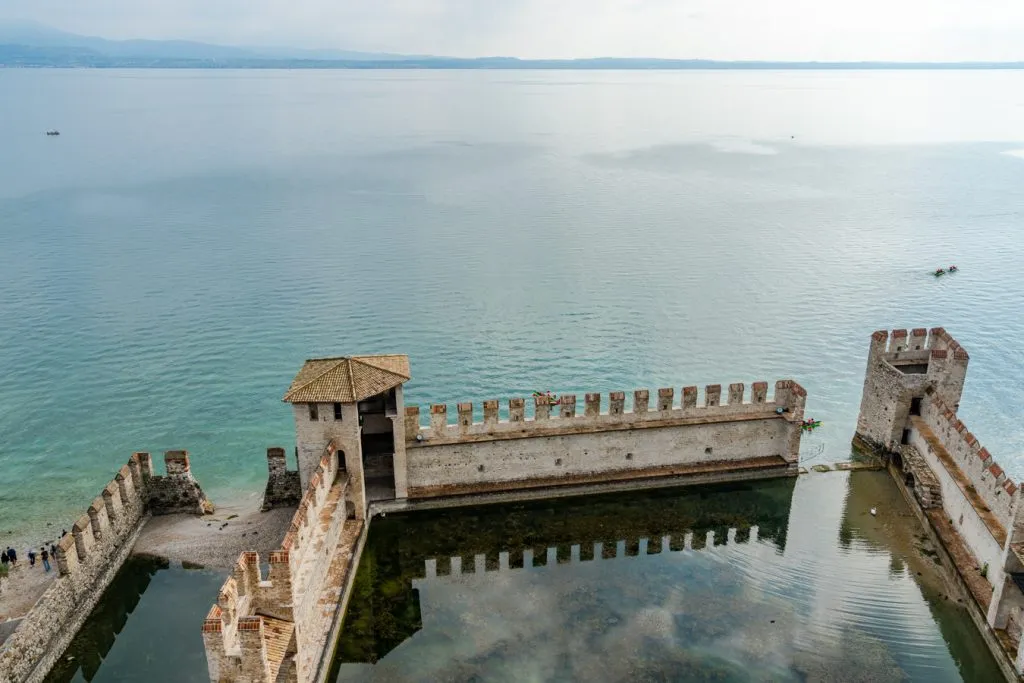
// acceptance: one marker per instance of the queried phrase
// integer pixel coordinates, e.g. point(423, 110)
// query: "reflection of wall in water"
point(97, 635)
point(385, 606)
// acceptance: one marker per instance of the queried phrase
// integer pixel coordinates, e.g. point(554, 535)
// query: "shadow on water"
point(825, 591)
point(144, 628)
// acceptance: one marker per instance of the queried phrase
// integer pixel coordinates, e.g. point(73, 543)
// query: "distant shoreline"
point(516, 66)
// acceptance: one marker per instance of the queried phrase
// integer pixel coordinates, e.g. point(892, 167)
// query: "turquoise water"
point(169, 261)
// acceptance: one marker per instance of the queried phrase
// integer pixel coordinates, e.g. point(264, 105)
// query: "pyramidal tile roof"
point(347, 379)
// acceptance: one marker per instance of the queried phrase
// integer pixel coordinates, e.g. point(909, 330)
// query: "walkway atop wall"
point(997, 530)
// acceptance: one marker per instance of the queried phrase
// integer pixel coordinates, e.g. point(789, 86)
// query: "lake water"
point(817, 593)
point(169, 261)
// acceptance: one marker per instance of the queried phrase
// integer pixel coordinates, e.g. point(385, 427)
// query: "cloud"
point(714, 29)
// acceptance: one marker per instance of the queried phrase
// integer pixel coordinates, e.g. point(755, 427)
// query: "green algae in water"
point(384, 610)
point(823, 595)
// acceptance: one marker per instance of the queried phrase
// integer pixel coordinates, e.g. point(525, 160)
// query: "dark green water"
point(796, 604)
point(145, 628)
point(821, 591)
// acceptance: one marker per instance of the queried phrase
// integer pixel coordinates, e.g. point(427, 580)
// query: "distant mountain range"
point(29, 45)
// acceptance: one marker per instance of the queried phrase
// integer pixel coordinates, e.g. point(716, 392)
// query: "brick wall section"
point(283, 485)
point(87, 560)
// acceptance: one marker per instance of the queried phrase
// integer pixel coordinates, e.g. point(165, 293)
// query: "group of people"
point(9, 557)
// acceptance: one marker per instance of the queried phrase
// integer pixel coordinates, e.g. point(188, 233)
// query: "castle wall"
point(178, 492)
point(313, 436)
point(251, 608)
point(888, 391)
point(912, 392)
point(983, 472)
point(87, 560)
point(549, 450)
point(284, 488)
point(958, 507)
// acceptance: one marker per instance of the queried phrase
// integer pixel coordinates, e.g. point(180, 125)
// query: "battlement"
point(176, 492)
point(87, 559)
point(987, 477)
point(253, 610)
point(696, 436)
point(787, 403)
point(284, 487)
point(902, 367)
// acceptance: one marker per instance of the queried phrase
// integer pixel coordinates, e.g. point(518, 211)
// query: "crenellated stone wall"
point(912, 391)
point(89, 557)
point(276, 628)
point(606, 442)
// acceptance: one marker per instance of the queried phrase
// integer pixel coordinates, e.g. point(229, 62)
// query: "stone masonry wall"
point(178, 491)
point(984, 473)
point(87, 560)
point(888, 391)
point(233, 632)
point(283, 485)
point(470, 457)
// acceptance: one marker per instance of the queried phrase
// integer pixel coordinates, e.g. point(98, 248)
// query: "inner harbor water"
point(169, 261)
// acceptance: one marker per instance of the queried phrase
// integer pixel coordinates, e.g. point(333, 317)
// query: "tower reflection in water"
point(780, 580)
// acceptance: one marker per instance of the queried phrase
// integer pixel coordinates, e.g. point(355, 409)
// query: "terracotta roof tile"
point(348, 379)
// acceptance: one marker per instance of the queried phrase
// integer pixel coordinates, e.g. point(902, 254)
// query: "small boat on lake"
point(53, 132)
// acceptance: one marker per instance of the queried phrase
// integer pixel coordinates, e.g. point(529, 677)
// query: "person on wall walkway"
point(4, 559)
point(13, 556)
point(31, 557)
point(45, 555)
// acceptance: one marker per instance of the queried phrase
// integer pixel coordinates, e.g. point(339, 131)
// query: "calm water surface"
point(168, 262)
point(818, 593)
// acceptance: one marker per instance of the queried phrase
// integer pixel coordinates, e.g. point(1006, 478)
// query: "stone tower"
point(903, 371)
point(350, 407)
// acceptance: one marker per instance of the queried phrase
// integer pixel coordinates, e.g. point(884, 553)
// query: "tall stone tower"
point(903, 371)
point(351, 405)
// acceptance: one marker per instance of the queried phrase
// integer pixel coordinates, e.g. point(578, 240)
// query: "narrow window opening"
point(314, 413)
point(337, 411)
point(906, 437)
point(915, 406)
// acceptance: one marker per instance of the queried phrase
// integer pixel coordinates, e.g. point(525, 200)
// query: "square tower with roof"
point(351, 406)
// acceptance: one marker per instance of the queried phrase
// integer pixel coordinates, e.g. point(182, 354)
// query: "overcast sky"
point(717, 29)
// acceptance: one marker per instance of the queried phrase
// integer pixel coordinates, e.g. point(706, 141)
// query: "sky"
point(842, 30)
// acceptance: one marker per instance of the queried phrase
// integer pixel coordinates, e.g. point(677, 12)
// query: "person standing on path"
point(45, 555)
point(4, 559)
point(31, 557)
point(13, 556)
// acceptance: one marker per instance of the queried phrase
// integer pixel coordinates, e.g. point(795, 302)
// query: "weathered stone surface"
point(911, 395)
point(178, 492)
point(283, 486)
point(88, 558)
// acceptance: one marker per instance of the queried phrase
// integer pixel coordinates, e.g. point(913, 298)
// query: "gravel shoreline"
point(215, 540)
